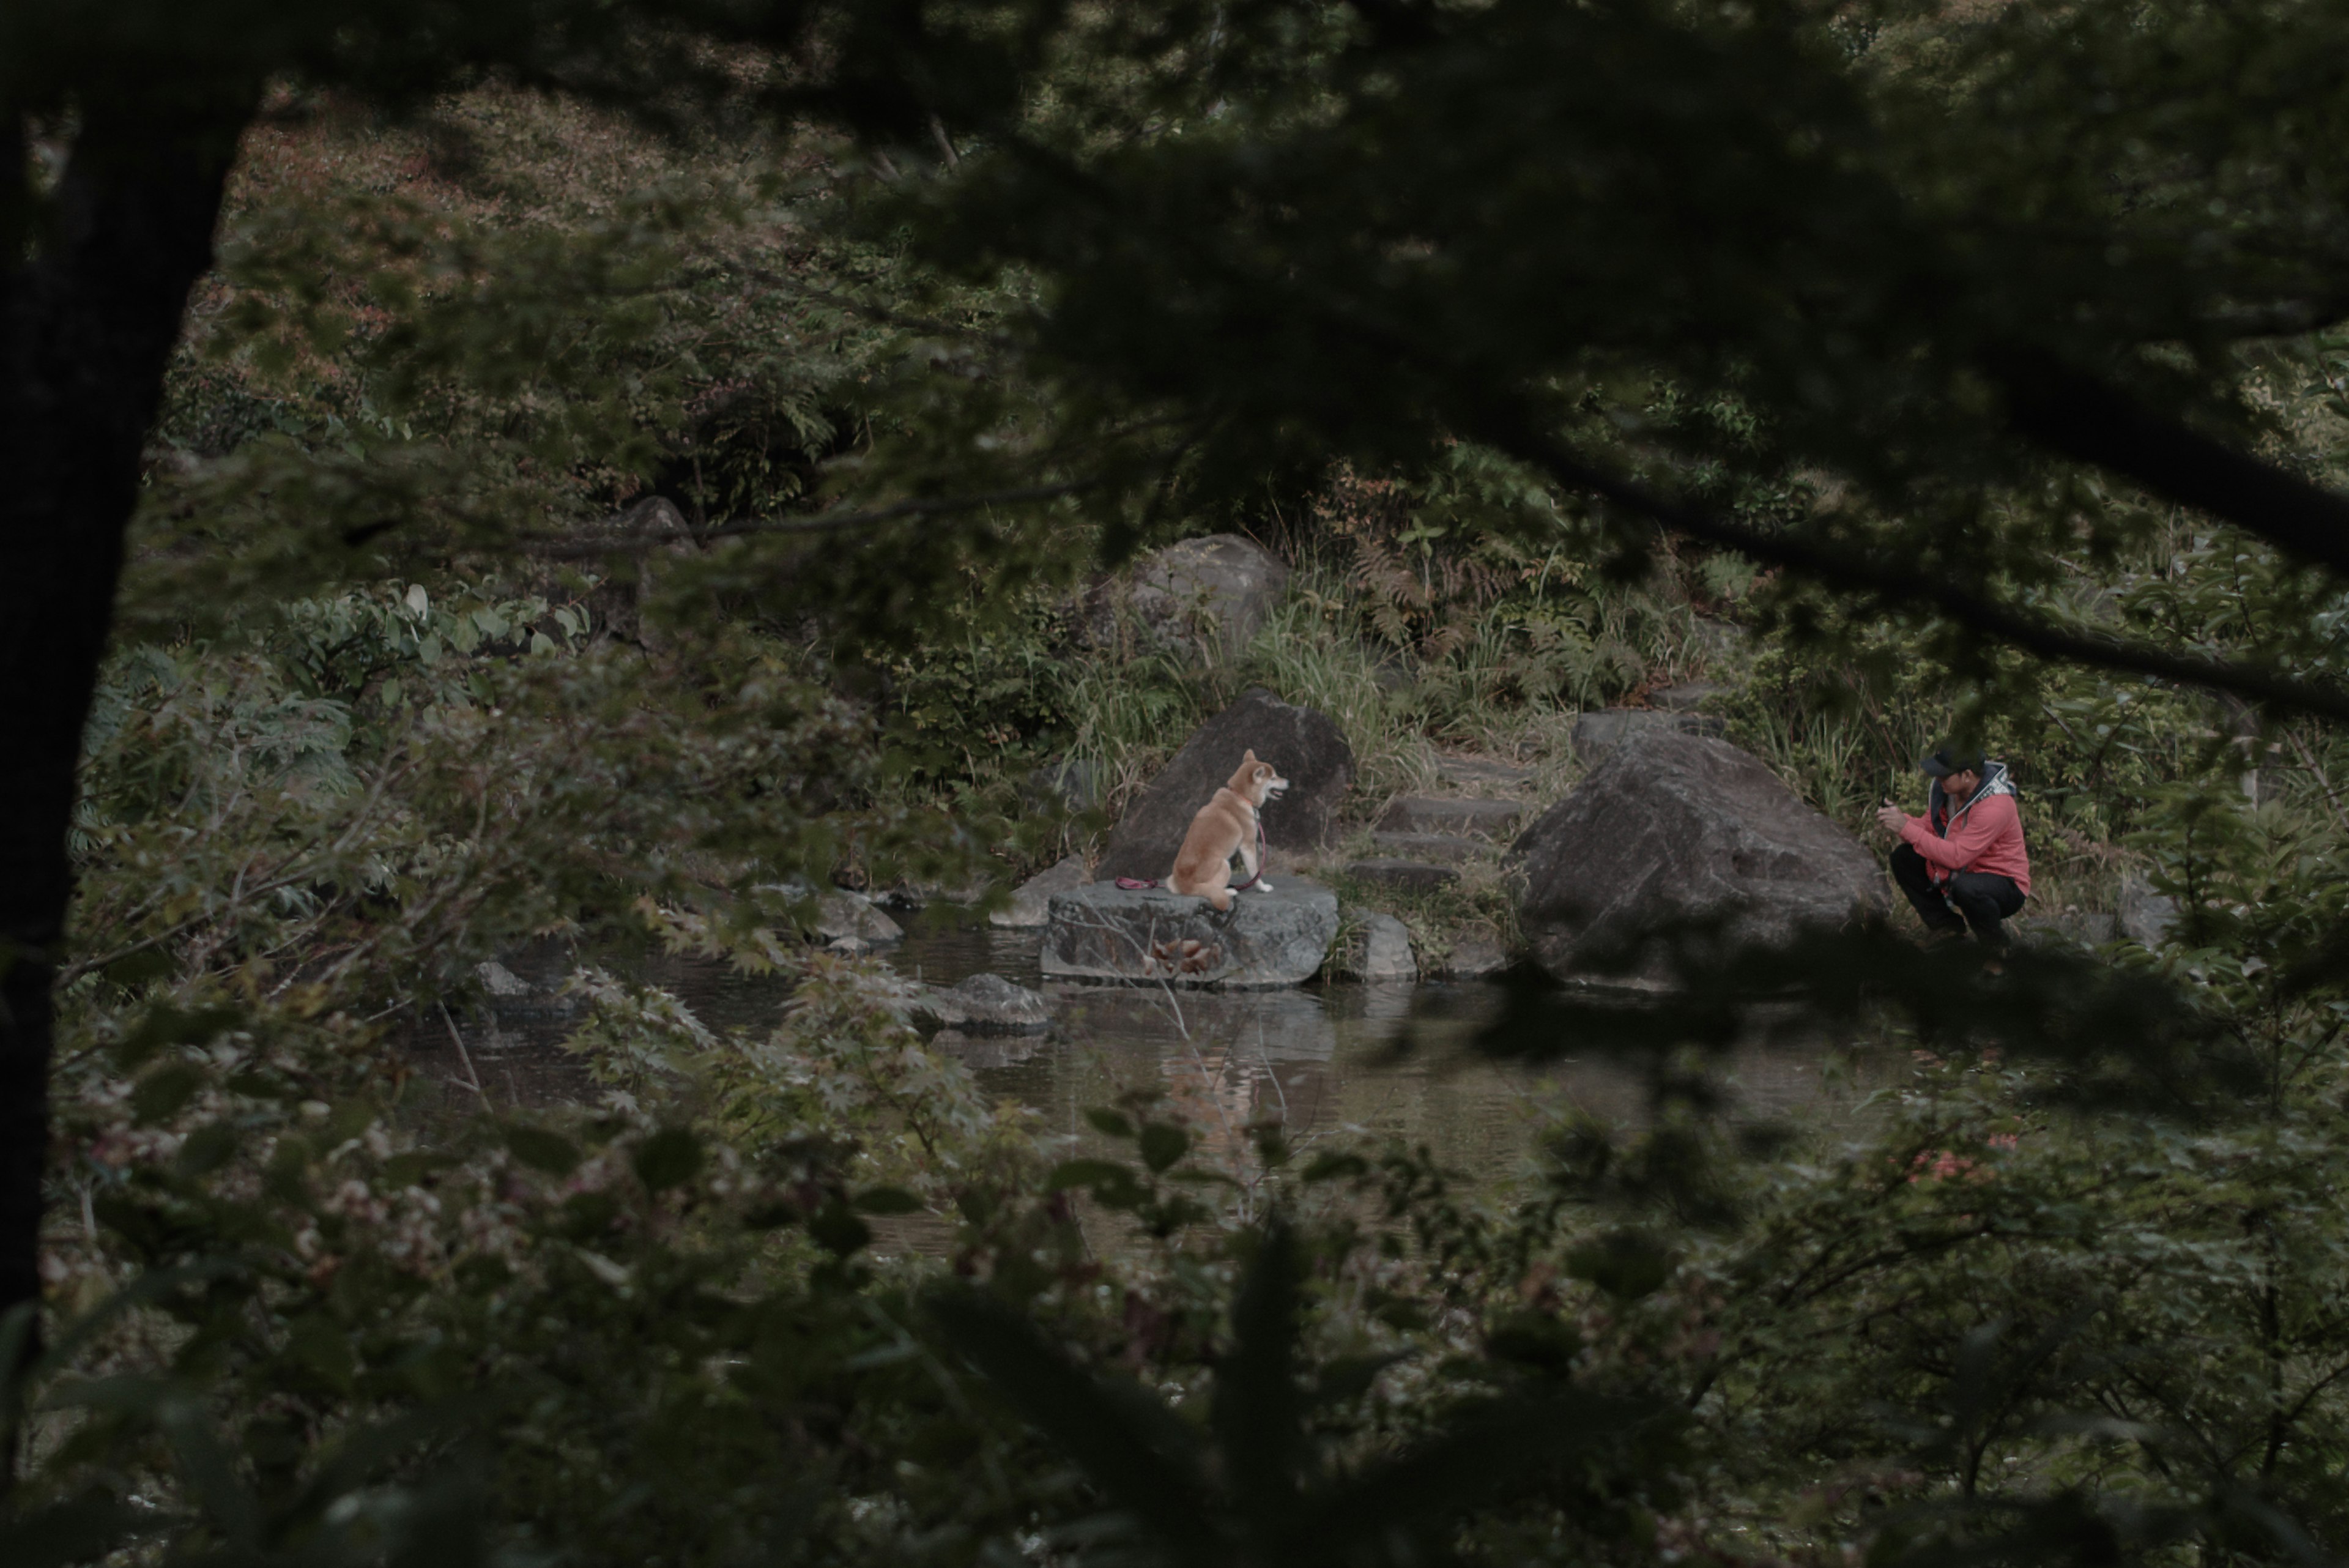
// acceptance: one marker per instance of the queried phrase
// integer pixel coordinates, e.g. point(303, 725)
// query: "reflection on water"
point(1321, 1060)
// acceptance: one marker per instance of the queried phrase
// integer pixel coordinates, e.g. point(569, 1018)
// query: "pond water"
point(1322, 1059)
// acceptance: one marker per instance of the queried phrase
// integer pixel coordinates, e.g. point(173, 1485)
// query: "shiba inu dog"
point(1227, 826)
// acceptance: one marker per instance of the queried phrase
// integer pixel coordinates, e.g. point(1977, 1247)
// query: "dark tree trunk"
point(86, 327)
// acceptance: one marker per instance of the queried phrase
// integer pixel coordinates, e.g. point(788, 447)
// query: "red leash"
point(1136, 884)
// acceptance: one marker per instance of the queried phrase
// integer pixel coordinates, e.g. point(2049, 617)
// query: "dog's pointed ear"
point(1248, 756)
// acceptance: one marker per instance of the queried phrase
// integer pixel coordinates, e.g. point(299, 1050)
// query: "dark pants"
point(1982, 898)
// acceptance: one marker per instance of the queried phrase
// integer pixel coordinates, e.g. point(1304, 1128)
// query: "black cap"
point(1952, 759)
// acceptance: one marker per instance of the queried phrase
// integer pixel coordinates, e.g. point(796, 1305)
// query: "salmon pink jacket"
point(1983, 835)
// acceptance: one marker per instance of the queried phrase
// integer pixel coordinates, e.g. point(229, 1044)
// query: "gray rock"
point(1304, 744)
point(848, 922)
point(1472, 958)
point(2145, 915)
point(1028, 901)
point(1671, 827)
point(1069, 784)
point(1596, 734)
point(1441, 847)
point(1383, 953)
point(1104, 933)
point(987, 1004)
point(501, 982)
point(1423, 814)
point(2067, 927)
point(1412, 876)
point(1687, 697)
point(1481, 773)
point(1209, 595)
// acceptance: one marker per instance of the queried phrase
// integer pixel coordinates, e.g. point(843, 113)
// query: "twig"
point(464, 1056)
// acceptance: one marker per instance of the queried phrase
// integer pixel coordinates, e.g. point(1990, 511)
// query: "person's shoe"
point(1939, 937)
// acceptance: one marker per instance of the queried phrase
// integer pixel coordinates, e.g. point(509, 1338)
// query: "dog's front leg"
point(1255, 871)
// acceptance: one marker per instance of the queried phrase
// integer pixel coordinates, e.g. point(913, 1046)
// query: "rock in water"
point(1210, 595)
point(1304, 744)
point(1674, 827)
point(848, 923)
point(501, 982)
point(1105, 932)
point(989, 1004)
point(1029, 900)
point(1384, 953)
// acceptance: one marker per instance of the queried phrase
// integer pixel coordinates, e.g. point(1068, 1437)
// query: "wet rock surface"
point(1596, 734)
point(1671, 827)
point(1302, 743)
point(1030, 900)
point(850, 923)
point(1425, 814)
point(1103, 932)
point(1382, 954)
point(989, 1004)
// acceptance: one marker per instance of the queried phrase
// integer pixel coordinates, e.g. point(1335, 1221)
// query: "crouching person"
point(1962, 864)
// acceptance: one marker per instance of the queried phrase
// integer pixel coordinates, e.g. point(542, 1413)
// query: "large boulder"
point(1671, 827)
point(1209, 596)
point(1147, 935)
point(1303, 744)
point(1597, 733)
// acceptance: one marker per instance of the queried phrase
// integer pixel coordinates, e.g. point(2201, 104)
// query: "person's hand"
point(1890, 817)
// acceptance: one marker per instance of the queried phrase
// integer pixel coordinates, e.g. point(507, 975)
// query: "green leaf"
point(1163, 1144)
point(164, 1090)
point(1626, 1264)
point(1086, 1173)
point(888, 1201)
point(139, 968)
point(670, 1157)
point(1111, 1122)
point(540, 1149)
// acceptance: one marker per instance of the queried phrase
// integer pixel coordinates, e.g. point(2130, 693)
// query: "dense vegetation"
point(621, 471)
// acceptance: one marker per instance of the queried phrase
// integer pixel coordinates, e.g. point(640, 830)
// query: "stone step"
point(1427, 813)
point(1481, 773)
point(1391, 871)
point(1443, 848)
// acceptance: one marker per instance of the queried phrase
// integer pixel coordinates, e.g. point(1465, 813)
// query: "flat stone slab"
point(1148, 936)
point(1390, 871)
point(1442, 848)
point(1426, 814)
point(1482, 773)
